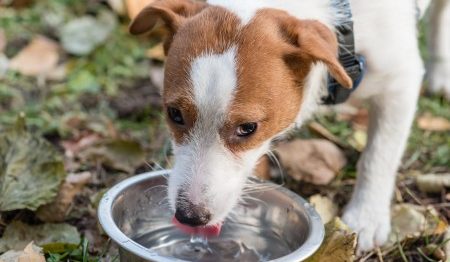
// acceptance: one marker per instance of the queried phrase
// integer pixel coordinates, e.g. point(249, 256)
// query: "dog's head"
point(230, 87)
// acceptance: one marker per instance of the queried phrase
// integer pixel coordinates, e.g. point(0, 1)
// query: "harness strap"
point(354, 64)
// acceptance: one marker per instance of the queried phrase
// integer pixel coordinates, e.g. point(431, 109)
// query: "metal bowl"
point(135, 214)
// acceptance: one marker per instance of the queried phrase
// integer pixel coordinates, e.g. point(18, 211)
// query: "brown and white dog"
point(240, 73)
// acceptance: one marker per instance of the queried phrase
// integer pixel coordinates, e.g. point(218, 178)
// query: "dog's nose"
point(192, 215)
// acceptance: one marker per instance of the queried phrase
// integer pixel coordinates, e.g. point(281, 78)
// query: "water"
point(263, 229)
point(236, 243)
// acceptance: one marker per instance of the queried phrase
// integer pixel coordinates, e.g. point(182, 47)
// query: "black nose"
point(192, 215)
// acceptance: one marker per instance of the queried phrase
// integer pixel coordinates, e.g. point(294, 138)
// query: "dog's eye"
point(246, 129)
point(175, 115)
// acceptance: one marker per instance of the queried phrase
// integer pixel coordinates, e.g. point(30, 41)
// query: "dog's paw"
point(439, 78)
point(373, 226)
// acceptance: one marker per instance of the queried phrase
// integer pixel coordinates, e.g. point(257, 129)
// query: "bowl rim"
point(105, 217)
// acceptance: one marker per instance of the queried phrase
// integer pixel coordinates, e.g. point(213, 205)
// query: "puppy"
point(240, 73)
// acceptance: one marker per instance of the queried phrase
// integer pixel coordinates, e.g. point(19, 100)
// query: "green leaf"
point(82, 35)
point(54, 238)
point(31, 169)
point(83, 82)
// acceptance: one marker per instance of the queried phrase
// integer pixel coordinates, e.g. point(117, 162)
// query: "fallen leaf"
point(4, 64)
point(58, 73)
point(339, 244)
point(39, 57)
point(52, 237)
point(358, 140)
point(73, 147)
point(2, 40)
point(361, 119)
point(83, 82)
point(156, 52)
point(57, 210)
point(118, 6)
point(411, 221)
point(31, 169)
point(157, 76)
point(18, 3)
point(82, 35)
point(326, 208)
point(433, 123)
point(31, 253)
point(135, 6)
point(433, 183)
point(434, 251)
point(316, 160)
point(120, 154)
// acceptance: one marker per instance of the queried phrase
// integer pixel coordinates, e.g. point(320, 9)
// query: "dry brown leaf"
point(17, 3)
point(316, 160)
point(157, 76)
point(59, 73)
point(434, 251)
point(57, 210)
point(31, 253)
point(411, 221)
point(433, 183)
point(326, 208)
point(118, 6)
point(156, 52)
point(135, 6)
point(38, 58)
point(433, 123)
point(73, 147)
point(339, 244)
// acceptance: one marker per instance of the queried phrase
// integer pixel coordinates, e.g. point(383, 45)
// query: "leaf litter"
point(31, 169)
point(51, 237)
point(31, 253)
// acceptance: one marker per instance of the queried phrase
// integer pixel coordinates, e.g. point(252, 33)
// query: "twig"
point(379, 254)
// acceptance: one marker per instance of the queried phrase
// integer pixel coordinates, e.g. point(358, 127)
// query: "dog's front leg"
point(391, 115)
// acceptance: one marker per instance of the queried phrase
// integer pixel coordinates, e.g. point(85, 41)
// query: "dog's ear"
point(172, 13)
point(313, 42)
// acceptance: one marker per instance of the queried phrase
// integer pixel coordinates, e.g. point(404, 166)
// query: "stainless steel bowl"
point(136, 216)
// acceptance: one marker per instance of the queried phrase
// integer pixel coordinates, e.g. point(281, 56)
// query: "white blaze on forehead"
point(214, 80)
point(329, 12)
point(203, 165)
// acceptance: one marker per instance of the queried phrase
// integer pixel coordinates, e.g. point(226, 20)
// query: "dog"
point(239, 74)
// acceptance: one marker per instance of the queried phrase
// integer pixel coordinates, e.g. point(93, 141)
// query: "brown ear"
point(171, 12)
point(315, 42)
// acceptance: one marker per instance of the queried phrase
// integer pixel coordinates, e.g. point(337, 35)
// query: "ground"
point(91, 109)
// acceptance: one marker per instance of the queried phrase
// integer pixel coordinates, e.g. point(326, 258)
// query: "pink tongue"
point(207, 231)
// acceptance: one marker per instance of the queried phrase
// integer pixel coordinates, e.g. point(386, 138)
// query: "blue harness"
point(354, 64)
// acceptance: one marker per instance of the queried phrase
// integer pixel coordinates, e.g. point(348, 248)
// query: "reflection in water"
point(262, 229)
point(256, 246)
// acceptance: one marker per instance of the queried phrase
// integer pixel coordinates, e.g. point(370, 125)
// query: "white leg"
point(391, 115)
point(439, 47)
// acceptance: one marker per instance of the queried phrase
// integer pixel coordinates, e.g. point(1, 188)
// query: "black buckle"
point(338, 94)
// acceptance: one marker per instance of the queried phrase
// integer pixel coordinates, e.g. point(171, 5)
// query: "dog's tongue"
point(207, 231)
